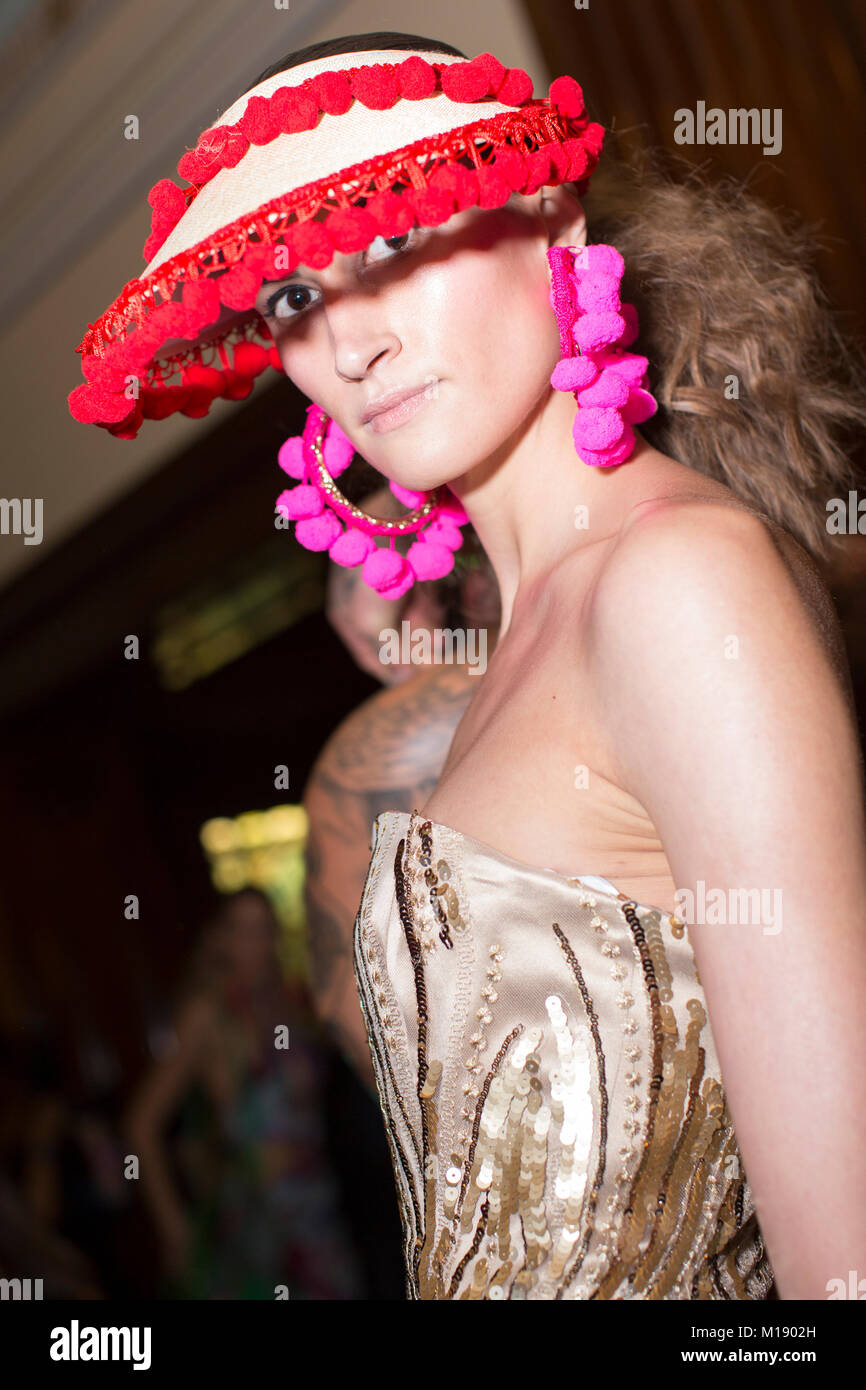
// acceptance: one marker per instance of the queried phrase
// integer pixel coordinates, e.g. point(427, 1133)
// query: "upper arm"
point(731, 727)
point(169, 1077)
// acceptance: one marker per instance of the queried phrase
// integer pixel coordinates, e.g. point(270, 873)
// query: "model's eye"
point(288, 302)
point(393, 244)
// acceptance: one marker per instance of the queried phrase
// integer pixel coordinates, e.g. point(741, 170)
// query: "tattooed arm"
point(386, 756)
point(355, 611)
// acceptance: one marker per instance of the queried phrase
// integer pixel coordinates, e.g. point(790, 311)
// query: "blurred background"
point(152, 900)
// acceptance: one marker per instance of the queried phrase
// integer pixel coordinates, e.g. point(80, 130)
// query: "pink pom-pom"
point(410, 497)
point(630, 329)
point(597, 428)
point(291, 457)
point(573, 373)
point(319, 532)
point(452, 508)
point(567, 95)
point(609, 389)
point(351, 229)
point(337, 450)
point(600, 257)
point(641, 405)
point(611, 457)
point(352, 547)
point(594, 331)
point(631, 366)
point(400, 586)
point(417, 78)
point(383, 568)
point(443, 532)
point(302, 502)
point(598, 292)
point(430, 561)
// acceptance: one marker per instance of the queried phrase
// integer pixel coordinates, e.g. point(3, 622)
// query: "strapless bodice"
point(548, 1080)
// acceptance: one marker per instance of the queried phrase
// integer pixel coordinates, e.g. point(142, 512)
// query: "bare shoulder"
point(681, 559)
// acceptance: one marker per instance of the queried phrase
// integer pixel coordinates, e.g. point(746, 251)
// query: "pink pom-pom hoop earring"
point(595, 327)
point(326, 520)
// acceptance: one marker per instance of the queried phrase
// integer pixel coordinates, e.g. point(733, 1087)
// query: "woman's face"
point(248, 936)
point(461, 313)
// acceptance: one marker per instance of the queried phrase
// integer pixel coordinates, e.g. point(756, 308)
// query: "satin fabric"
point(548, 1081)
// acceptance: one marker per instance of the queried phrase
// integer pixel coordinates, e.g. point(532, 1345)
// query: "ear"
point(563, 212)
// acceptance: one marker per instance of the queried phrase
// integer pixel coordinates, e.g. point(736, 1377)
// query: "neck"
point(534, 502)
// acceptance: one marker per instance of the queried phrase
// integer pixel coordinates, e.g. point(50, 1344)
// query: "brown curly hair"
point(726, 292)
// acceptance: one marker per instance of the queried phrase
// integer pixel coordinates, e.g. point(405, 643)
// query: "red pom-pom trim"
point(432, 206)
point(464, 81)
point(260, 121)
point(250, 359)
point(294, 111)
point(459, 182)
point(516, 88)
point(239, 287)
point(417, 78)
point(312, 244)
point(493, 191)
point(376, 86)
point(495, 70)
point(351, 229)
point(392, 213)
point(331, 92)
point(568, 96)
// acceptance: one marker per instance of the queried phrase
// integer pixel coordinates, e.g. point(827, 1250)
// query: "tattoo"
point(388, 755)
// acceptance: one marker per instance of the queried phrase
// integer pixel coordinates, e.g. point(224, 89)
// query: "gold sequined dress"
point(548, 1080)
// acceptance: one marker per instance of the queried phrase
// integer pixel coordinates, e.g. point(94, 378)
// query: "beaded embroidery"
point(587, 1151)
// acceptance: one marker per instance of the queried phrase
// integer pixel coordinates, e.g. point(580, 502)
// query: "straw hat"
point(322, 158)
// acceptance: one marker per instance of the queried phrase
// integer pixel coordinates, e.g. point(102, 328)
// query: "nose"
point(360, 337)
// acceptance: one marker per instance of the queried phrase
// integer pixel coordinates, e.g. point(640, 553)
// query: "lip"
point(388, 411)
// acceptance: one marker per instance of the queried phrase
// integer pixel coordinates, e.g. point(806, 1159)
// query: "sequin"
point(549, 1085)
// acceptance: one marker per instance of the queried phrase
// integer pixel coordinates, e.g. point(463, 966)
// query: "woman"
point(572, 1110)
point(261, 1209)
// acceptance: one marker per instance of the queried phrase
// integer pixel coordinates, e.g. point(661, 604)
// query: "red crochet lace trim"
point(378, 86)
point(424, 182)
